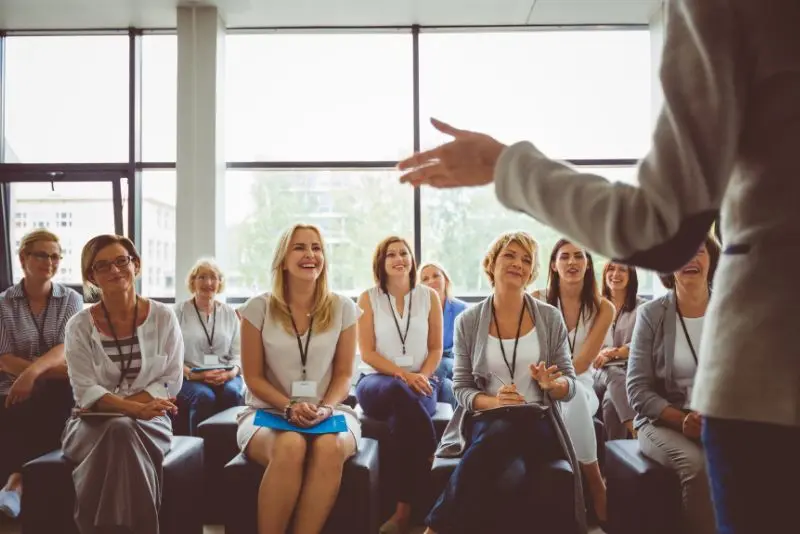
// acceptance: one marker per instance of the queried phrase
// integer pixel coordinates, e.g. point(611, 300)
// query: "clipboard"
point(513, 410)
point(212, 368)
point(332, 425)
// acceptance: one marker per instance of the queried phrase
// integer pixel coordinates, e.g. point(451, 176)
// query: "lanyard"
point(39, 328)
point(512, 367)
point(124, 365)
point(686, 332)
point(210, 338)
point(574, 339)
point(303, 351)
point(408, 319)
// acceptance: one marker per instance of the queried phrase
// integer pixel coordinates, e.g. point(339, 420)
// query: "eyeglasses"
point(105, 266)
point(208, 278)
point(44, 256)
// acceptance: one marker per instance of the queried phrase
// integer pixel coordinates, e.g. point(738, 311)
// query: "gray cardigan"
point(471, 376)
point(651, 385)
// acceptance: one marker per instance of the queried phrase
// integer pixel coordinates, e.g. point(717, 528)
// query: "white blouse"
point(224, 323)
point(684, 365)
point(528, 353)
point(282, 356)
point(387, 339)
point(93, 375)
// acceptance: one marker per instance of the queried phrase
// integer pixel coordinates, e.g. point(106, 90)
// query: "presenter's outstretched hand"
point(468, 160)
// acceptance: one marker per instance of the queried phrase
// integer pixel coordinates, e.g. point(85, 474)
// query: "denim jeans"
point(199, 401)
point(445, 374)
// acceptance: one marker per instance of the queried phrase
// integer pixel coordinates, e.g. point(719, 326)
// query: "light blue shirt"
point(452, 309)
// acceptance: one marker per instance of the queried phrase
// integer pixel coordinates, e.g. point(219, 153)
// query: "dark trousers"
point(197, 401)
point(413, 438)
point(753, 468)
point(32, 428)
point(491, 488)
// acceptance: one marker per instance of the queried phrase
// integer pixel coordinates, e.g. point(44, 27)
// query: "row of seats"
point(207, 480)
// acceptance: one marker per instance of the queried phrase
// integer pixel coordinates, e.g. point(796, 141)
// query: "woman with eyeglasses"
point(35, 396)
point(510, 350)
point(211, 338)
point(125, 360)
point(620, 285)
point(572, 288)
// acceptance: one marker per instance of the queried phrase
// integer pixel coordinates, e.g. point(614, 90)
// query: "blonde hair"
point(89, 253)
point(523, 239)
point(324, 299)
point(448, 289)
point(207, 264)
point(34, 236)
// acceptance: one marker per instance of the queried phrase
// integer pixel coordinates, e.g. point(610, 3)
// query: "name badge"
point(404, 361)
point(210, 359)
point(304, 388)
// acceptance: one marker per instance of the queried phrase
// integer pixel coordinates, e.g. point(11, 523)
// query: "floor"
point(6, 528)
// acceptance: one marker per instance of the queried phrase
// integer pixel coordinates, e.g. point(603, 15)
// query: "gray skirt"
point(118, 475)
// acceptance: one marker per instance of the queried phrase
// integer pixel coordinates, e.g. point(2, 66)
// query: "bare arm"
point(435, 334)
point(594, 341)
point(13, 365)
point(254, 367)
point(366, 341)
point(343, 362)
point(52, 363)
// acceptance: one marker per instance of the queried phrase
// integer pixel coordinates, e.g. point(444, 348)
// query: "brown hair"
point(590, 295)
point(631, 290)
point(523, 239)
point(89, 253)
point(714, 251)
point(379, 262)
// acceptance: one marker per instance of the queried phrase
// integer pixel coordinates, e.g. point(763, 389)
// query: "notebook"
point(332, 425)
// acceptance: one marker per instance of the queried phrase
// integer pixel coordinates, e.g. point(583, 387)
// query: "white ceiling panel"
point(91, 14)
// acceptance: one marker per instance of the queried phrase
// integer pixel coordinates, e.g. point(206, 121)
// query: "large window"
point(158, 234)
point(66, 99)
point(323, 97)
point(159, 97)
point(74, 211)
point(355, 209)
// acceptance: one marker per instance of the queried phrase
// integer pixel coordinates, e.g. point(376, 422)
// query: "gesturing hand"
point(508, 395)
point(545, 376)
point(468, 160)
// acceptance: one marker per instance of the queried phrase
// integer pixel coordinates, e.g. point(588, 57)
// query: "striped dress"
point(130, 352)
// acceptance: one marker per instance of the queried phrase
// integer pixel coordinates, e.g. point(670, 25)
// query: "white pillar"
point(200, 210)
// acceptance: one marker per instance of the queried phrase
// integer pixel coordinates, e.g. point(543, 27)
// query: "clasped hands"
point(216, 377)
point(307, 414)
point(418, 382)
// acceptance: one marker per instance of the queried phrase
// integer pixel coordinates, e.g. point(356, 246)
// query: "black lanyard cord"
point(571, 342)
point(686, 331)
point(512, 367)
point(408, 319)
point(39, 328)
point(303, 351)
point(209, 338)
point(125, 365)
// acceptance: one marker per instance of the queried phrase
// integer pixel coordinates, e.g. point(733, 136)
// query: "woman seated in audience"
point(435, 277)
point(124, 356)
point(400, 337)
point(35, 397)
point(572, 288)
point(298, 353)
point(211, 337)
point(621, 286)
point(510, 350)
point(661, 370)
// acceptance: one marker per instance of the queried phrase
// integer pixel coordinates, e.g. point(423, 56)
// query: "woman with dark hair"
point(661, 374)
point(125, 359)
point(572, 288)
point(620, 285)
point(400, 337)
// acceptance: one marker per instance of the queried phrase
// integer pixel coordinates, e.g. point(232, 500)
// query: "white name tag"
point(304, 388)
point(210, 359)
point(404, 361)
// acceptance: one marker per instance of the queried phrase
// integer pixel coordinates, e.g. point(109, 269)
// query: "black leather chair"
point(219, 434)
point(553, 490)
point(355, 511)
point(48, 501)
point(644, 497)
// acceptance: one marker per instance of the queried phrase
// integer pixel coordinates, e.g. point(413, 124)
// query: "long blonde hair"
point(324, 299)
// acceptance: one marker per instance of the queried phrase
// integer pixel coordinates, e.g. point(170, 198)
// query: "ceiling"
point(99, 14)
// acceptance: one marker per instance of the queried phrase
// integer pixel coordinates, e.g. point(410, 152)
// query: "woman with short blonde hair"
point(35, 397)
point(298, 354)
point(211, 363)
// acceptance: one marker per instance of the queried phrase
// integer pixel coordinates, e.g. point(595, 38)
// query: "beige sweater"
point(727, 139)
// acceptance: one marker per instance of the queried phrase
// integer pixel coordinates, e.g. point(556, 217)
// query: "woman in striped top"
point(33, 372)
point(125, 358)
